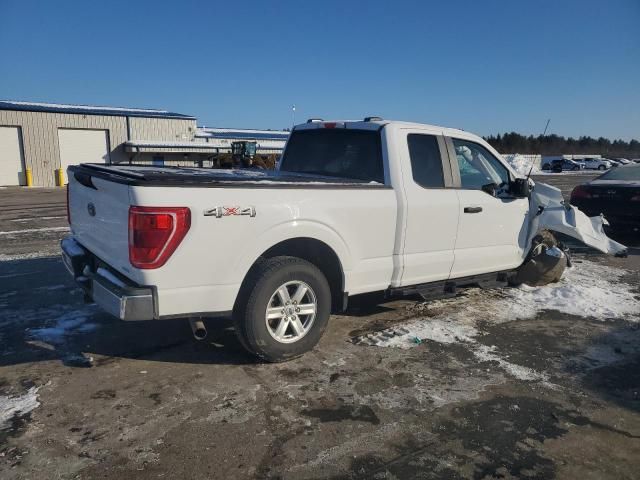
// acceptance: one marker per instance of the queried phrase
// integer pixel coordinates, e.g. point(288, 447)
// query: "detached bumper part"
point(122, 301)
point(553, 214)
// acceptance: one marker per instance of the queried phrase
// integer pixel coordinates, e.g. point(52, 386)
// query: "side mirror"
point(490, 188)
point(519, 188)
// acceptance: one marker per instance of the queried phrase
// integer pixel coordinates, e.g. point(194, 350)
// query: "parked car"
point(615, 194)
point(614, 163)
point(623, 161)
point(564, 164)
point(595, 163)
point(354, 207)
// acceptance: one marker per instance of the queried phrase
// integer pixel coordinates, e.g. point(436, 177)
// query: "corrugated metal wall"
point(40, 136)
point(165, 129)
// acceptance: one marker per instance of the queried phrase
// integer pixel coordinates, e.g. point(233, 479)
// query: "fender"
point(290, 230)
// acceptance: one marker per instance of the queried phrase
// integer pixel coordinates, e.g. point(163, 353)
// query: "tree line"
point(556, 145)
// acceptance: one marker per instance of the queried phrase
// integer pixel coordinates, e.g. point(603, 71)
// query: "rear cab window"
point(426, 160)
point(335, 152)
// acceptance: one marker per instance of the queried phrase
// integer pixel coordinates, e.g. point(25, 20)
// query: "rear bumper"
point(115, 296)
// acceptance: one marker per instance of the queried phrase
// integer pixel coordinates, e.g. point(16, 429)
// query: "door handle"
point(472, 209)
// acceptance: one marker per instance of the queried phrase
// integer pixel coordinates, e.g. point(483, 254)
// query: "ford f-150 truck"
point(354, 207)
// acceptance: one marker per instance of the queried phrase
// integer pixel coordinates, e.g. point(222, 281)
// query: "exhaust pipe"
point(198, 328)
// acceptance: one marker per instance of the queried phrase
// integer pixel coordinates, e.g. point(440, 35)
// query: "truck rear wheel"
point(283, 309)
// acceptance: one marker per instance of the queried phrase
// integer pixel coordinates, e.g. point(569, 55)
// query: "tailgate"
point(99, 211)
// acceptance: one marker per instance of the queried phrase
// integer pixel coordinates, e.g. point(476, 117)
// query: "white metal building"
point(45, 136)
point(268, 141)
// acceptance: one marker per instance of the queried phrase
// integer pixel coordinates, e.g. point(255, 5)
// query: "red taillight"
point(580, 192)
point(68, 210)
point(330, 125)
point(155, 233)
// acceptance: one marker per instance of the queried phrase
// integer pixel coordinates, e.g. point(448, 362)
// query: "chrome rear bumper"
point(126, 302)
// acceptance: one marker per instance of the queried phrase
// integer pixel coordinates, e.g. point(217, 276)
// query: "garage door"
point(11, 156)
point(82, 146)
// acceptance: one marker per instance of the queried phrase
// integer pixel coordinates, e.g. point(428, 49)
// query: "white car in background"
point(596, 164)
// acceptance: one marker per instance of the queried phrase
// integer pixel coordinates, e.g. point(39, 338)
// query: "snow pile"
point(588, 289)
point(65, 325)
point(522, 163)
point(21, 405)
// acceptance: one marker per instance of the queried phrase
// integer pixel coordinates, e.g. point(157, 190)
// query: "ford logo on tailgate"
point(91, 208)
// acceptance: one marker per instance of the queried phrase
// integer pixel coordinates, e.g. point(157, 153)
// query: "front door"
point(492, 228)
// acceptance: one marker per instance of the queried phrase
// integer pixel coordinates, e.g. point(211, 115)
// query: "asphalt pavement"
point(512, 383)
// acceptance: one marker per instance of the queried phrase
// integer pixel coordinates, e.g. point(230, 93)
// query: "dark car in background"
point(615, 194)
point(564, 164)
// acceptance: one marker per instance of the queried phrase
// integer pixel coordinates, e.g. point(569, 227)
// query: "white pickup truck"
point(354, 207)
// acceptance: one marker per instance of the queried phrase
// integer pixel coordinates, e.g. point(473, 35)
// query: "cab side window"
point(478, 167)
point(426, 161)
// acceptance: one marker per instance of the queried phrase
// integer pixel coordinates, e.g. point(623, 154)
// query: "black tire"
point(575, 168)
point(601, 167)
point(262, 282)
point(546, 166)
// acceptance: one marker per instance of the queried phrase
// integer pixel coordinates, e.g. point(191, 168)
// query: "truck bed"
point(155, 176)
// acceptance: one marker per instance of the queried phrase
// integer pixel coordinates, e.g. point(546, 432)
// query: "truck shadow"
point(43, 317)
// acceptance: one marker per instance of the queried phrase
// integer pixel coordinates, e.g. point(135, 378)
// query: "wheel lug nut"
point(297, 310)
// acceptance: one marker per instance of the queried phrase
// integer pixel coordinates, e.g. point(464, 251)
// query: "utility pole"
point(293, 116)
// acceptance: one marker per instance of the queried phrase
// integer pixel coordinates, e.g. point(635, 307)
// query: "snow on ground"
point(31, 219)
point(20, 405)
point(35, 230)
point(588, 289)
point(27, 256)
point(66, 324)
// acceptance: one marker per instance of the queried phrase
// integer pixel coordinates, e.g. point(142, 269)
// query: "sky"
point(487, 66)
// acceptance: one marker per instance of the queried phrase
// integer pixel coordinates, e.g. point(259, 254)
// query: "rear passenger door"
point(491, 228)
point(431, 208)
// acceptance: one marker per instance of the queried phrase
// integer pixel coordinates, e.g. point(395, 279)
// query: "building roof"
point(237, 133)
point(90, 110)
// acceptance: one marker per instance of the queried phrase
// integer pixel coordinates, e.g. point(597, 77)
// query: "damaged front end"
point(548, 211)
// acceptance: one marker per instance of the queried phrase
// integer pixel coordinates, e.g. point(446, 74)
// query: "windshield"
point(629, 172)
point(338, 152)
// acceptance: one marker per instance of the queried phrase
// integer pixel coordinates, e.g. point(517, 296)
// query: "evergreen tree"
point(552, 144)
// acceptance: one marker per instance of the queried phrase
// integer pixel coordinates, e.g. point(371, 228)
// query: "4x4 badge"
point(220, 212)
